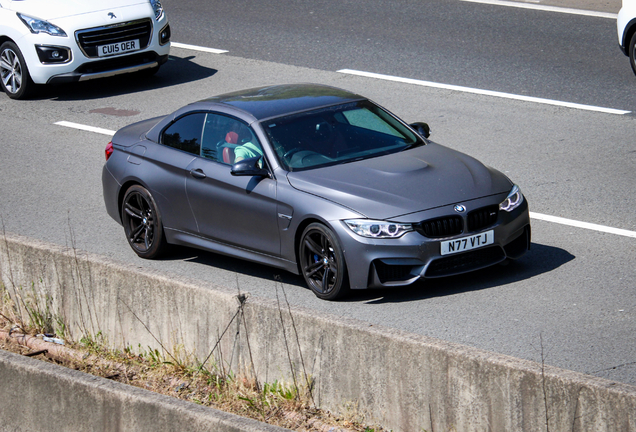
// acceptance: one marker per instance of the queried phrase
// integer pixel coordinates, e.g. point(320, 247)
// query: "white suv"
point(626, 26)
point(57, 41)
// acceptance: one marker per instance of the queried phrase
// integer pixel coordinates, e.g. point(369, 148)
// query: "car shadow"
point(178, 70)
point(227, 263)
point(539, 260)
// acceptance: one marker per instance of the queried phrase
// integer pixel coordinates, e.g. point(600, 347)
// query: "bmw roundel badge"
point(459, 208)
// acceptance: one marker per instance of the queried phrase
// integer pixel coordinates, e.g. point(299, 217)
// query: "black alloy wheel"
point(14, 74)
point(142, 223)
point(322, 262)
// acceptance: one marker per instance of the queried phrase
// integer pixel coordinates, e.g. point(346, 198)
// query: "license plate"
point(467, 243)
point(118, 48)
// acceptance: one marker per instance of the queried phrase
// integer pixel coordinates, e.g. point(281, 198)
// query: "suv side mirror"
point(422, 128)
point(249, 167)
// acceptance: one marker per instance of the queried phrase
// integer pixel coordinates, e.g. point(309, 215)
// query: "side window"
point(185, 134)
point(227, 140)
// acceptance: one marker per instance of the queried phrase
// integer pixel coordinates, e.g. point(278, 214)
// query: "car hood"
point(55, 9)
point(407, 182)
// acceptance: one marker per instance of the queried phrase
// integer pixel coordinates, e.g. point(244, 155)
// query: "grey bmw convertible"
point(314, 180)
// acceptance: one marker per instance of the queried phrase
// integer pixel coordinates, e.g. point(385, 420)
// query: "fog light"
point(164, 35)
point(53, 54)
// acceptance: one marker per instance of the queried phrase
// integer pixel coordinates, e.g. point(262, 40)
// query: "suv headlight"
point(158, 8)
point(378, 229)
point(37, 25)
point(514, 200)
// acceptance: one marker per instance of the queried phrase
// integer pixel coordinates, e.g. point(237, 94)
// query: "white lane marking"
point(538, 216)
point(584, 225)
point(197, 48)
point(484, 92)
point(546, 8)
point(86, 128)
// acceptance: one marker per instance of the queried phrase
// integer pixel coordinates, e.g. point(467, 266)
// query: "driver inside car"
point(246, 151)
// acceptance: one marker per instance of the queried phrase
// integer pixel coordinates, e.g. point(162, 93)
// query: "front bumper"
point(111, 67)
point(375, 263)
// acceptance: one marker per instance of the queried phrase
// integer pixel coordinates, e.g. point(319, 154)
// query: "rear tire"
point(15, 79)
point(142, 223)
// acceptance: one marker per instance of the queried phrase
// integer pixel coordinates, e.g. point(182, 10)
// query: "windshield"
point(337, 134)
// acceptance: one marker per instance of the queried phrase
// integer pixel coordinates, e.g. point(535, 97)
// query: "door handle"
point(197, 173)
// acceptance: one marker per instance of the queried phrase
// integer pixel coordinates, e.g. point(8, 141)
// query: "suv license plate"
point(467, 243)
point(118, 48)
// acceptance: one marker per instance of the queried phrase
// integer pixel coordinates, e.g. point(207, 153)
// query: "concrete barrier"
point(403, 381)
point(39, 396)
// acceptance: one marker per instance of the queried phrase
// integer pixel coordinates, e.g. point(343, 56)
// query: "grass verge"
point(278, 403)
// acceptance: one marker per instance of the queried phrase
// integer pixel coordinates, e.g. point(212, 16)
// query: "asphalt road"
point(570, 302)
point(528, 52)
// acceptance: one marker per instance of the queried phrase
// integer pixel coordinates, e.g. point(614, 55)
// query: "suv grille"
point(90, 39)
point(441, 227)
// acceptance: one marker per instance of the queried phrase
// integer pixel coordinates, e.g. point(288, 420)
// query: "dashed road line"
point(484, 92)
point(461, 88)
point(86, 128)
point(197, 48)
point(584, 225)
point(533, 215)
point(546, 8)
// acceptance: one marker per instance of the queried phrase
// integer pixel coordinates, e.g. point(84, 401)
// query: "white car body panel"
point(626, 15)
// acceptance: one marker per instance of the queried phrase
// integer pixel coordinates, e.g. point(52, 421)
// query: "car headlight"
point(514, 200)
point(378, 229)
point(37, 25)
point(158, 8)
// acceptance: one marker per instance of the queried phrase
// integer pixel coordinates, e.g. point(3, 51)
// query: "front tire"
point(322, 262)
point(632, 52)
point(15, 79)
point(142, 223)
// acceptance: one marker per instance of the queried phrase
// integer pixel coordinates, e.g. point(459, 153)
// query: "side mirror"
point(249, 167)
point(422, 128)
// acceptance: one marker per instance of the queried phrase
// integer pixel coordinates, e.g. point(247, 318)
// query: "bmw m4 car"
point(314, 180)
point(58, 41)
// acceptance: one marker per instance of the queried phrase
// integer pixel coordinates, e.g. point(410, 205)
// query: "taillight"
point(109, 150)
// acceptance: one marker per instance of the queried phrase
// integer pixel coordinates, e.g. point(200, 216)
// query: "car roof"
point(262, 103)
point(278, 100)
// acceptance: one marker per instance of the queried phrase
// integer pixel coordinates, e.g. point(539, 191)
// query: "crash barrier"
point(405, 382)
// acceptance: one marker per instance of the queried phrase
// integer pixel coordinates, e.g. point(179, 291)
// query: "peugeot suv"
point(57, 41)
